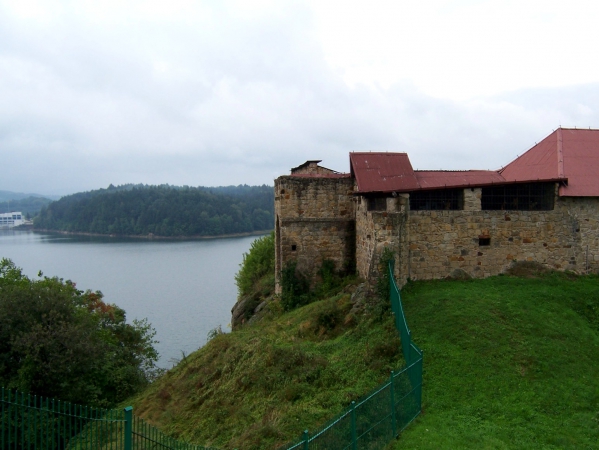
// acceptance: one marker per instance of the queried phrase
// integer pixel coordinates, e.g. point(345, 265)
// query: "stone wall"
point(377, 230)
point(315, 220)
point(312, 168)
point(319, 218)
point(583, 218)
point(442, 241)
point(472, 199)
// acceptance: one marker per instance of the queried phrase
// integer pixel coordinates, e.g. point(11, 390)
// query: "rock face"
point(244, 310)
point(249, 309)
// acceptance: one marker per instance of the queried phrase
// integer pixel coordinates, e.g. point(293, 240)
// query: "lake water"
point(184, 288)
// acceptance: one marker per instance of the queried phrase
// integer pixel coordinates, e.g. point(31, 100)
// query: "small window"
point(293, 247)
point(282, 191)
point(484, 241)
point(377, 204)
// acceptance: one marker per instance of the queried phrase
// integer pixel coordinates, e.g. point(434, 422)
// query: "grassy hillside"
point(508, 363)
point(261, 386)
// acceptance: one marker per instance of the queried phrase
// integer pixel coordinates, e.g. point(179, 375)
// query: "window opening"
point(484, 241)
point(377, 204)
point(293, 247)
point(438, 199)
point(522, 197)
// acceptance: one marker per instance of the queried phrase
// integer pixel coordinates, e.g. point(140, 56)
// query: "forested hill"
point(29, 206)
point(162, 211)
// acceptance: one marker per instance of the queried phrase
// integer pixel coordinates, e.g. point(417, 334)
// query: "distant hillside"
point(30, 205)
point(10, 196)
point(162, 211)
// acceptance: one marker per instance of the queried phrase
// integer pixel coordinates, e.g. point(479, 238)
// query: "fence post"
point(306, 439)
point(393, 418)
point(128, 427)
point(354, 439)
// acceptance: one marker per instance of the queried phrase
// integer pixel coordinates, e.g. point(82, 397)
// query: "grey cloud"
point(239, 101)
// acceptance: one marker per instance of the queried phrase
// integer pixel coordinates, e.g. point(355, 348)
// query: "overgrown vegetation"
point(382, 282)
point(57, 341)
point(297, 290)
point(261, 386)
point(295, 287)
point(162, 211)
point(257, 267)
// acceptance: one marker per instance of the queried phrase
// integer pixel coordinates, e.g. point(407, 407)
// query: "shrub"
point(58, 341)
point(295, 287)
point(258, 262)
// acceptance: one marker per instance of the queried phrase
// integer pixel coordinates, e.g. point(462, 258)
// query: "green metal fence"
point(29, 423)
point(377, 418)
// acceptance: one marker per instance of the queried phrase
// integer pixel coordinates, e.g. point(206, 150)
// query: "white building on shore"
point(12, 219)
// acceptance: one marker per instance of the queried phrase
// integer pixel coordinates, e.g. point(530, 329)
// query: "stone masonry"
point(322, 218)
point(314, 220)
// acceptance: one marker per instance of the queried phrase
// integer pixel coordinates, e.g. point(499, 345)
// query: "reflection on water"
point(184, 288)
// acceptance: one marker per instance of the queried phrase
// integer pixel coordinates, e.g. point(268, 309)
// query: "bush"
point(257, 263)
point(295, 287)
point(58, 341)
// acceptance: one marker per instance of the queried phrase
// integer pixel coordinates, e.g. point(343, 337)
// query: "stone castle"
point(542, 207)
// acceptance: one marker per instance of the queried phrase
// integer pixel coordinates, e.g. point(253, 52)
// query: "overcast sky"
point(231, 92)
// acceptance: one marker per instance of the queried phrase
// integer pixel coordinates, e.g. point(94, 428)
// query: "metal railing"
point(377, 418)
point(30, 422)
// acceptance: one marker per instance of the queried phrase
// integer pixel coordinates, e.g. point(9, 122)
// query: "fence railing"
point(30, 422)
point(377, 418)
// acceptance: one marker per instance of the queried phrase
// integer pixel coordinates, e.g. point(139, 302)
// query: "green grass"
point(508, 363)
point(261, 386)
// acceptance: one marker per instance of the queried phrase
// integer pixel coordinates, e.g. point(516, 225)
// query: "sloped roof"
point(382, 172)
point(436, 179)
point(568, 154)
point(392, 172)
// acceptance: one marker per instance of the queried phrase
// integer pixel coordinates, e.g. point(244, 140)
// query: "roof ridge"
point(455, 170)
point(377, 153)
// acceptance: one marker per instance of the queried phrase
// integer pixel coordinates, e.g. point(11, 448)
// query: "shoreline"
point(155, 236)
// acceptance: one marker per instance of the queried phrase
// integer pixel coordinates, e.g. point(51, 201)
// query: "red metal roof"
point(435, 179)
point(383, 172)
point(565, 154)
point(540, 162)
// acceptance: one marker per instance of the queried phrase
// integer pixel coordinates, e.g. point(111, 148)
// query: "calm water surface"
point(184, 288)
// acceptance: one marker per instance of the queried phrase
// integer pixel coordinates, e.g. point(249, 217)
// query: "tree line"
point(162, 210)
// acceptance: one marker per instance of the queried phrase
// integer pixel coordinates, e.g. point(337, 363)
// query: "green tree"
point(258, 262)
point(58, 341)
point(162, 210)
